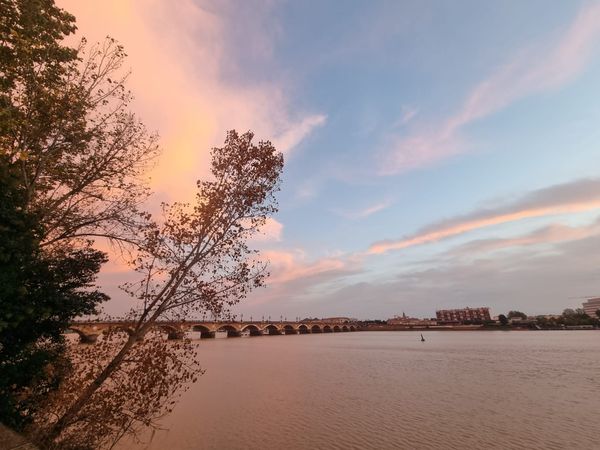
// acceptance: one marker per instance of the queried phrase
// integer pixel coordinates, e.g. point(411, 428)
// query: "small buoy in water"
point(422, 338)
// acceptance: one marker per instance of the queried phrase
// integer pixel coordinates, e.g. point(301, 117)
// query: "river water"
point(388, 390)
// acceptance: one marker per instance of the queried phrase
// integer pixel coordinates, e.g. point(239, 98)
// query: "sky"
point(437, 154)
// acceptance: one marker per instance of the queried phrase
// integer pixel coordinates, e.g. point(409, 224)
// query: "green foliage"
point(33, 65)
point(598, 313)
point(40, 294)
point(569, 317)
point(576, 317)
point(503, 319)
point(514, 314)
point(65, 122)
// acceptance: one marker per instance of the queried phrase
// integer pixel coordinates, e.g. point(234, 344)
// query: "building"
point(463, 315)
point(410, 321)
point(338, 320)
point(591, 306)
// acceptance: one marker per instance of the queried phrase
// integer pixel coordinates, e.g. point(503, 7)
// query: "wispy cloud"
point(291, 265)
point(408, 113)
point(533, 70)
point(550, 234)
point(293, 276)
point(290, 138)
point(365, 212)
point(272, 231)
point(578, 196)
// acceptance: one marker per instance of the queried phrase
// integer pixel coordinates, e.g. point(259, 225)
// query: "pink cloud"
point(531, 71)
point(550, 234)
point(465, 227)
point(178, 56)
point(294, 276)
point(286, 265)
point(578, 196)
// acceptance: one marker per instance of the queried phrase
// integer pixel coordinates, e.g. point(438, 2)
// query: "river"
point(388, 390)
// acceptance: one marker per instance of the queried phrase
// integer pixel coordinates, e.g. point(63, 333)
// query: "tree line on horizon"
point(569, 317)
point(73, 159)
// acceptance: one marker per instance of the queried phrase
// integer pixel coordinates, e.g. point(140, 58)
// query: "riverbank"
point(465, 328)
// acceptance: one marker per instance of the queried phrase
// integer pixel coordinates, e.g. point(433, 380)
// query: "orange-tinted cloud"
point(178, 56)
point(290, 265)
point(579, 196)
point(550, 234)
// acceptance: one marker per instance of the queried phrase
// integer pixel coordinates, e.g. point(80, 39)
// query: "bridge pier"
point(175, 335)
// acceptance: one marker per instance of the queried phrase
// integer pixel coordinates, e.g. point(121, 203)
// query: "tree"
point(503, 319)
point(40, 294)
point(73, 159)
point(65, 123)
point(598, 313)
point(197, 259)
point(514, 314)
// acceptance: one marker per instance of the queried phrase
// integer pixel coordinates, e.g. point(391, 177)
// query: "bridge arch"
point(303, 329)
point(336, 328)
point(205, 332)
point(271, 330)
point(84, 338)
point(316, 329)
point(230, 329)
point(327, 329)
point(253, 329)
point(117, 328)
point(288, 329)
point(171, 332)
point(345, 328)
point(352, 328)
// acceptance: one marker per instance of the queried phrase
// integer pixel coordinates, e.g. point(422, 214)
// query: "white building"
point(591, 306)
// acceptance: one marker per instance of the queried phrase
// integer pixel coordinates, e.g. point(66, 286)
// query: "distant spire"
point(403, 315)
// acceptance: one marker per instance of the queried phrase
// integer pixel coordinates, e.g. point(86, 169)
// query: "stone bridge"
point(89, 331)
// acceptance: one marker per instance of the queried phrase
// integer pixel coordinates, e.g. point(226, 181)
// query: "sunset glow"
point(460, 134)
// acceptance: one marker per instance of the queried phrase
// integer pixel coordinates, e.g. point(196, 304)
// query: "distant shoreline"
point(464, 328)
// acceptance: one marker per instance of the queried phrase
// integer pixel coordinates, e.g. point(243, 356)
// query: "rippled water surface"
point(387, 390)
